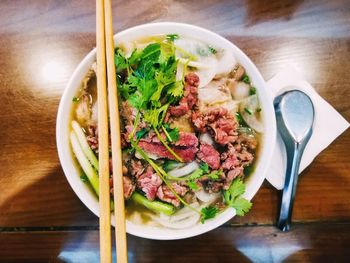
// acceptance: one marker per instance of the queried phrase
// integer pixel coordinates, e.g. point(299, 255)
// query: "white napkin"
point(328, 124)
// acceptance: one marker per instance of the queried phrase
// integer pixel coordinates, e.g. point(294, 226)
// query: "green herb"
point(172, 37)
point(246, 79)
point(258, 109)
point(192, 185)
point(155, 206)
point(233, 198)
point(195, 174)
point(75, 99)
point(215, 175)
point(84, 178)
point(252, 91)
point(204, 167)
point(135, 57)
point(212, 50)
point(248, 170)
point(150, 85)
point(249, 111)
point(239, 118)
point(141, 133)
point(120, 61)
point(171, 134)
point(170, 165)
point(208, 212)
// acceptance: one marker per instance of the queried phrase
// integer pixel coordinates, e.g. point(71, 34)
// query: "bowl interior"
point(254, 181)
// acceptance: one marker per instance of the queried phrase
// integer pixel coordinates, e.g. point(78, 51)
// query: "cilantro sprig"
point(208, 213)
point(150, 86)
point(233, 197)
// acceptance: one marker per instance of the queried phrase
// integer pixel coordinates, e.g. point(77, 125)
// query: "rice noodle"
point(184, 218)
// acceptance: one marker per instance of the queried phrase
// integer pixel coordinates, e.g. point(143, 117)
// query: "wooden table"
point(41, 43)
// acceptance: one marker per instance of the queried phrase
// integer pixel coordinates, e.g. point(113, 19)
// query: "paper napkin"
point(328, 124)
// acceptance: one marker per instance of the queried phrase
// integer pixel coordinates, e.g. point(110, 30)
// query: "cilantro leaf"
point(135, 100)
point(233, 198)
point(215, 175)
point(75, 99)
point(119, 60)
point(172, 134)
point(195, 174)
point(141, 133)
point(236, 189)
point(192, 185)
point(204, 166)
point(135, 57)
point(241, 205)
point(176, 90)
point(208, 212)
point(150, 53)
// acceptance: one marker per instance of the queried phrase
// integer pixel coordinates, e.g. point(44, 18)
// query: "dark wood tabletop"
point(41, 43)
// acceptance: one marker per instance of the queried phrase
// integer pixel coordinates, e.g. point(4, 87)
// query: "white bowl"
point(268, 139)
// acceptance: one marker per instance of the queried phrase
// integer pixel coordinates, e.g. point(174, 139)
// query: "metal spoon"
point(295, 117)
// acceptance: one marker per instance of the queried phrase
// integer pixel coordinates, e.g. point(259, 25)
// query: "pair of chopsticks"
point(106, 74)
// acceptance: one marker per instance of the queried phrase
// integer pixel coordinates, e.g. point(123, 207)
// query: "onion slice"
point(206, 197)
point(187, 169)
point(249, 111)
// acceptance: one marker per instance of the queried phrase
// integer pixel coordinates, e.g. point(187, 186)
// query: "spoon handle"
point(294, 153)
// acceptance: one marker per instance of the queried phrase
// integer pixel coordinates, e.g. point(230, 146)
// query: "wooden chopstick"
point(103, 151)
point(119, 209)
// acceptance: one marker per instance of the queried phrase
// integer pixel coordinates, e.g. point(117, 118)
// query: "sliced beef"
point(187, 139)
point(217, 121)
point(128, 186)
point(245, 157)
point(190, 98)
point(186, 153)
point(136, 168)
point(234, 159)
point(185, 147)
point(149, 182)
point(166, 195)
point(208, 154)
point(230, 162)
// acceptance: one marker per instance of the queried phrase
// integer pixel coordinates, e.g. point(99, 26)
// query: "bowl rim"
point(64, 111)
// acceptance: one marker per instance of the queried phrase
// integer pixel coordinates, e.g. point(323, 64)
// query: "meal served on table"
point(191, 130)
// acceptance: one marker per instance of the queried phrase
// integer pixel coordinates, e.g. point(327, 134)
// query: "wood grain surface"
point(41, 43)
